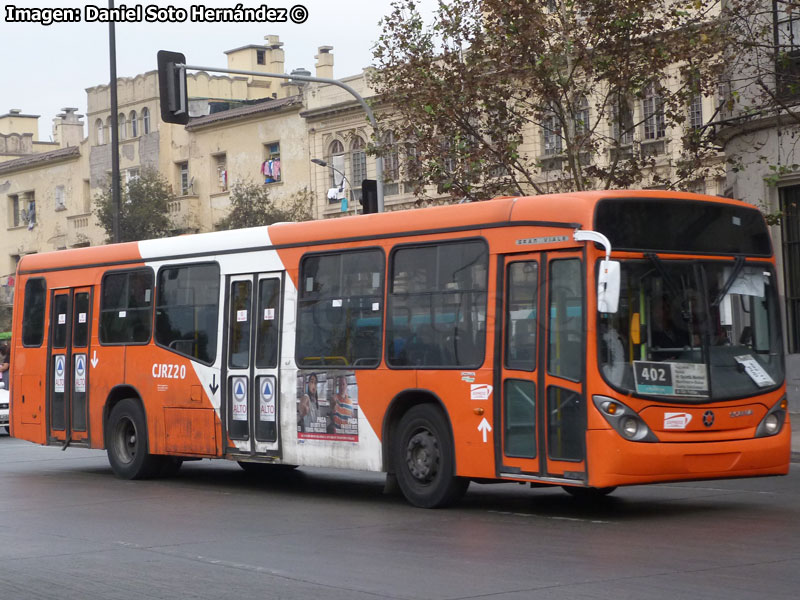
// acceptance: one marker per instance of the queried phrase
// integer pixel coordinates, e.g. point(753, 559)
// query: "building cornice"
point(332, 110)
point(42, 158)
point(248, 47)
point(244, 113)
point(731, 128)
point(20, 115)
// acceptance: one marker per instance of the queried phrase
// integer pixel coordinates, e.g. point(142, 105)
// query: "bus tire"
point(126, 442)
point(424, 459)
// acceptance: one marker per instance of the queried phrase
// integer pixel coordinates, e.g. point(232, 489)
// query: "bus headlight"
point(773, 421)
point(771, 424)
point(630, 428)
point(624, 420)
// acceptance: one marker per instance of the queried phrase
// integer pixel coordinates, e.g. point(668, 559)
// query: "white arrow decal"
point(485, 428)
point(94, 359)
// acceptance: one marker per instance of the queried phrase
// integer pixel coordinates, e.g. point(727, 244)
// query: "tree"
point(143, 208)
point(251, 206)
point(519, 96)
point(763, 58)
point(760, 118)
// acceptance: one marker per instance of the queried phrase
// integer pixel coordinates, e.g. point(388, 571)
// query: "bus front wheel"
point(126, 442)
point(424, 460)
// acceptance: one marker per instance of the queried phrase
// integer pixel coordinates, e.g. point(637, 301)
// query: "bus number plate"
point(670, 378)
point(653, 378)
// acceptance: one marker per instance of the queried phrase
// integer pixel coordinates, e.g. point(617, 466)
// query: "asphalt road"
point(70, 530)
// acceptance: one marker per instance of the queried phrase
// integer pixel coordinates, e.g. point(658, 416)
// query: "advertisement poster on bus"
point(327, 406)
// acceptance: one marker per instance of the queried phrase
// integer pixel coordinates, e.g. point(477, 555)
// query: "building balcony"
point(78, 230)
point(183, 212)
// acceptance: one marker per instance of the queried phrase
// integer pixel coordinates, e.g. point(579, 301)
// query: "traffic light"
point(172, 87)
point(369, 196)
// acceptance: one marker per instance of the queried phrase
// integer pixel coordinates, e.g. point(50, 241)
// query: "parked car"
point(4, 399)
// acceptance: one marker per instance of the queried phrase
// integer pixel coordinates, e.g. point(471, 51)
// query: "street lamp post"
point(322, 163)
point(115, 180)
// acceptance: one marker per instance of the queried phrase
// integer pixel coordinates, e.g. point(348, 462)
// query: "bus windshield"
point(693, 331)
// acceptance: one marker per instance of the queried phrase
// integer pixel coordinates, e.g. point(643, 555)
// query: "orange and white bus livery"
point(587, 340)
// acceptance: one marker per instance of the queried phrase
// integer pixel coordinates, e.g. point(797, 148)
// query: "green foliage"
point(778, 172)
point(251, 206)
point(143, 208)
point(472, 91)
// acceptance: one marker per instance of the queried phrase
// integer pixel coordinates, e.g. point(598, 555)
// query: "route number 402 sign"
point(670, 378)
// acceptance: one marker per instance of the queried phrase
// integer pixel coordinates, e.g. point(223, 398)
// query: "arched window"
point(653, 113)
point(391, 165)
point(336, 160)
point(358, 164)
point(622, 119)
point(696, 113)
point(581, 118)
point(134, 124)
point(551, 133)
point(123, 126)
point(145, 121)
point(391, 161)
point(100, 136)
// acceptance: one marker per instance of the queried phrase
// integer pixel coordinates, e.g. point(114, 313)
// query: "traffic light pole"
point(336, 82)
point(115, 180)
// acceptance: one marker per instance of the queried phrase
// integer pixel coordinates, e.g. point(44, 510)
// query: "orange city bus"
point(585, 340)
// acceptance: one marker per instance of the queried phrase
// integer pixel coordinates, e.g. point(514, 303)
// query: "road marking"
point(532, 515)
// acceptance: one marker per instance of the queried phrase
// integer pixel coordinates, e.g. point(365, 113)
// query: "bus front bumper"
point(615, 461)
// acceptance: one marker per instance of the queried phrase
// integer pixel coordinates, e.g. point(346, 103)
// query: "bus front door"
point(68, 380)
point(562, 373)
point(542, 408)
point(252, 345)
point(519, 390)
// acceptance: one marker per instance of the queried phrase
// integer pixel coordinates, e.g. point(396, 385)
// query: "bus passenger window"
point(340, 312)
point(187, 310)
point(33, 312)
point(126, 307)
point(437, 305)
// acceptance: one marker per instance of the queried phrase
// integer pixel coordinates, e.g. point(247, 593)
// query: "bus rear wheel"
point(424, 459)
point(126, 442)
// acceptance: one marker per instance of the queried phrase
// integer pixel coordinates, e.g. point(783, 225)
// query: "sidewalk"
point(793, 395)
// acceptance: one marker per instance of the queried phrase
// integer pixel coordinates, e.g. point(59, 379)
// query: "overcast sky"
point(46, 68)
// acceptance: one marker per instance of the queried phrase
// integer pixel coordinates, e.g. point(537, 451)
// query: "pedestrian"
point(5, 363)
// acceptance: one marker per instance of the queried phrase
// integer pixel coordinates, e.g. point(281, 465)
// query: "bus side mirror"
point(608, 280)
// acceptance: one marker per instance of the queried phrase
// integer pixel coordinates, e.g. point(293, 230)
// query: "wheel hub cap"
point(422, 456)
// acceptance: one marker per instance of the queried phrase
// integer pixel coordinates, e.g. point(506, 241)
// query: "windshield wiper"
point(737, 268)
point(664, 275)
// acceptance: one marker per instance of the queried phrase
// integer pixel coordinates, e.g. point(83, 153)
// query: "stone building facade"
point(244, 128)
point(761, 134)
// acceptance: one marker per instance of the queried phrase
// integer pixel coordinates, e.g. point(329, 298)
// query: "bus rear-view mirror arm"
point(608, 277)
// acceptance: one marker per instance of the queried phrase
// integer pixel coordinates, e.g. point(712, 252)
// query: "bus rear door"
point(252, 351)
point(69, 346)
